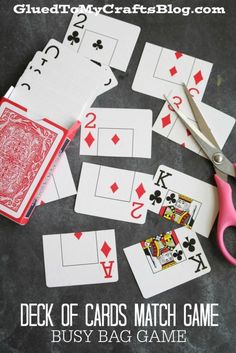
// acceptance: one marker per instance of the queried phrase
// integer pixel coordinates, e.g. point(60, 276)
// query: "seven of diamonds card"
point(166, 260)
point(80, 258)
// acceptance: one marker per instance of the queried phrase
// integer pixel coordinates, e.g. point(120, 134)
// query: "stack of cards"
point(61, 85)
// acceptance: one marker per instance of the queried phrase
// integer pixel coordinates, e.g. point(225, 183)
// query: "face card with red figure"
point(27, 148)
point(161, 70)
point(113, 193)
point(166, 260)
point(80, 258)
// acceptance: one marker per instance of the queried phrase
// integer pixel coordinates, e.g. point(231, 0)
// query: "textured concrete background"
point(21, 257)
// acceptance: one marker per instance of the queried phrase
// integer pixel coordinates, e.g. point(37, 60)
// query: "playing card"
point(169, 125)
point(183, 199)
point(166, 260)
point(116, 132)
point(161, 70)
point(61, 183)
point(80, 258)
point(27, 150)
point(102, 38)
point(113, 193)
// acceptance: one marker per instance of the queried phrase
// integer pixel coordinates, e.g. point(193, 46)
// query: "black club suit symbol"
point(178, 254)
point(98, 44)
point(155, 198)
point(171, 198)
point(189, 243)
point(73, 38)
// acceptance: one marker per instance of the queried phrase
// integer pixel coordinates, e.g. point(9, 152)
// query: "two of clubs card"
point(61, 85)
point(102, 38)
point(166, 260)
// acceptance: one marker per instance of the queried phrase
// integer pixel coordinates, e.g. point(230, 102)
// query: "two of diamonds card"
point(183, 199)
point(80, 258)
point(161, 70)
point(116, 133)
point(113, 193)
point(169, 125)
point(167, 260)
point(102, 38)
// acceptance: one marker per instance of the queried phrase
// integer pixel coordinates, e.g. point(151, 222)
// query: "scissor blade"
point(203, 142)
point(210, 150)
point(202, 124)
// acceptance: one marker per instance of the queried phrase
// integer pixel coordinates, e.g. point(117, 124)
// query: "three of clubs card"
point(102, 38)
point(180, 198)
point(116, 133)
point(80, 258)
point(167, 260)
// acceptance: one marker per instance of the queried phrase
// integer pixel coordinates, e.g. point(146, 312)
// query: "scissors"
point(223, 168)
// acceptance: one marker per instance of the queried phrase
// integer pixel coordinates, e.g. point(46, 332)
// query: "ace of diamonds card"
point(80, 258)
point(166, 260)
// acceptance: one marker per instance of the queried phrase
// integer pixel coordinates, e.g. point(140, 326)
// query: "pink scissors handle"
point(227, 216)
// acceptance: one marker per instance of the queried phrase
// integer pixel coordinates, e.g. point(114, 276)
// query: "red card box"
point(29, 151)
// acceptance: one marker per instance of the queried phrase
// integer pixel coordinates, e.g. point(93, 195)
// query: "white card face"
point(113, 193)
point(102, 38)
point(117, 133)
point(61, 183)
point(80, 258)
point(161, 70)
point(169, 125)
point(185, 200)
point(167, 260)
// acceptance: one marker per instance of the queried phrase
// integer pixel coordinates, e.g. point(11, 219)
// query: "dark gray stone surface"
point(21, 257)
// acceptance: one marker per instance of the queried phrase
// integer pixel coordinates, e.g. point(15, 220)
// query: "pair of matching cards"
point(61, 85)
point(127, 196)
point(162, 71)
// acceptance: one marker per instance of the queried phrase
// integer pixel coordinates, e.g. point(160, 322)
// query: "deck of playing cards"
point(28, 150)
